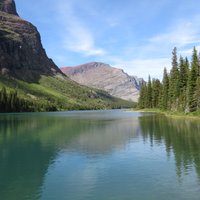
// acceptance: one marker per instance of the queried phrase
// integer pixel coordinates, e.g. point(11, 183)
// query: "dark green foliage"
point(55, 94)
point(143, 96)
point(178, 91)
point(149, 94)
point(192, 102)
point(198, 68)
point(184, 68)
point(165, 91)
point(197, 93)
point(3, 99)
point(174, 81)
point(10, 102)
point(184, 74)
point(156, 93)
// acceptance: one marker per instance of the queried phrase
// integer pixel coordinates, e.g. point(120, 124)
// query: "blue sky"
point(135, 35)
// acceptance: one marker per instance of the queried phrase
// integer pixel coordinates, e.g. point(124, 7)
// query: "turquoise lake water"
point(99, 155)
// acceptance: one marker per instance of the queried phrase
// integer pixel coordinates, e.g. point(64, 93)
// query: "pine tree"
point(3, 99)
point(183, 74)
point(174, 58)
point(156, 92)
point(184, 69)
point(149, 94)
point(179, 90)
point(174, 82)
point(192, 82)
point(142, 98)
point(197, 93)
point(14, 101)
point(198, 70)
point(165, 90)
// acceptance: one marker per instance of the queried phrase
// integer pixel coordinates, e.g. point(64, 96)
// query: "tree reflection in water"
point(180, 135)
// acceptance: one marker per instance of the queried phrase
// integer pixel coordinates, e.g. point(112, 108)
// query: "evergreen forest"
point(179, 90)
point(11, 102)
point(53, 94)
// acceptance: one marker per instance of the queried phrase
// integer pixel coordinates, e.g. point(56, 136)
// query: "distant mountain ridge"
point(102, 76)
point(26, 70)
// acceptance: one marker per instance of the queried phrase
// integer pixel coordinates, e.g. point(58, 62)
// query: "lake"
point(99, 155)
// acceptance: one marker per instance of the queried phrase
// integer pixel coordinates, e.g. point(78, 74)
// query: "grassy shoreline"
point(194, 115)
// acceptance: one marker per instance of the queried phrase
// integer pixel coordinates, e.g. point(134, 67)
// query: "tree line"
point(11, 102)
point(179, 89)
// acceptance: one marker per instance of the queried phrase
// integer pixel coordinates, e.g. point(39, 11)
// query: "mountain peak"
point(105, 77)
point(21, 50)
point(8, 6)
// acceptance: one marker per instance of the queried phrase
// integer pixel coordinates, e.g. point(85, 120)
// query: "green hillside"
point(30, 81)
point(60, 93)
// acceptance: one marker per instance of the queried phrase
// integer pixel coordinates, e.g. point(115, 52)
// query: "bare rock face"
point(102, 76)
point(21, 52)
point(8, 6)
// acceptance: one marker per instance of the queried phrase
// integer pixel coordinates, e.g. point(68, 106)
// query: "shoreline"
point(169, 114)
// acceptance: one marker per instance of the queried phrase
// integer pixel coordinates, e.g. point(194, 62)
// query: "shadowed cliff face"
point(8, 6)
point(102, 76)
point(21, 53)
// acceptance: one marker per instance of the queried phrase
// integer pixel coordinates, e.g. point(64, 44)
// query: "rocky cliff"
point(21, 53)
point(102, 76)
point(8, 6)
point(39, 83)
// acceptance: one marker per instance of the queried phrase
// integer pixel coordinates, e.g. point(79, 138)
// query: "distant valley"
point(26, 71)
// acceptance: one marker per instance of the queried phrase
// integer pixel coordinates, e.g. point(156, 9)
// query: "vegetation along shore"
point(179, 92)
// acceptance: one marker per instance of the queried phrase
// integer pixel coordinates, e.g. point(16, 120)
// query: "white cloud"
point(144, 56)
point(144, 67)
point(182, 33)
point(154, 55)
point(188, 52)
point(81, 40)
point(77, 37)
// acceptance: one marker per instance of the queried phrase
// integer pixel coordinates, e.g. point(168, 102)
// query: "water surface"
point(98, 155)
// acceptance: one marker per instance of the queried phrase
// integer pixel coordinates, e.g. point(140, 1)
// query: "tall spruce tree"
point(197, 93)
point(183, 73)
point(14, 101)
point(198, 70)
point(149, 94)
point(184, 69)
point(156, 92)
point(179, 90)
point(174, 81)
point(165, 91)
point(3, 100)
point(192, 82)
point(143, 96)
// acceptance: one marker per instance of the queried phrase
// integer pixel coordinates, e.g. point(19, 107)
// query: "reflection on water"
point(98, 155)
point(29, 143)
point(181, 137)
